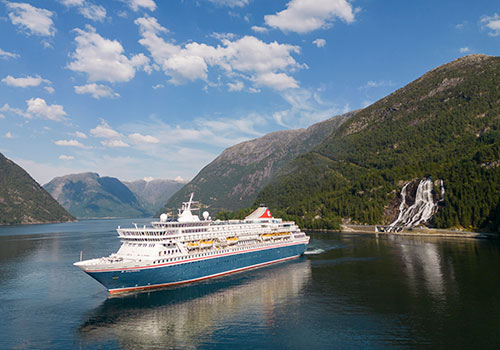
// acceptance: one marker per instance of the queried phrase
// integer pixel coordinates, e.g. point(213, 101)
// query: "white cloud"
point(31, 19)
point(104, 131)
point(49, 89)
point(2, 116)
point(303, 16)
point(248, 56)
point(114, 143)
point(148, 178)
point(179, 179)
point(70, 143)
point(96, 90)
point(491, 23)
point(230, 3)
point(24, 82)
point(80, 135)
point(277, 81)
point(38, 106)
point(158, 86)
point(7, 108)
point(65, 157)
point(9, 135)
point(7, 55)
point(138, 138)
point(376, 84)
point(236, 86)
point(319, 42)
point(137, 4)
point(258, 29)
point(464, 50)
point(72, 2)
point(306, 108)
point(102, 59)
point(93, 12)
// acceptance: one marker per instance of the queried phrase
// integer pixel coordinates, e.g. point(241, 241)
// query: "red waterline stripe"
point(194, 259)
point(121, 290)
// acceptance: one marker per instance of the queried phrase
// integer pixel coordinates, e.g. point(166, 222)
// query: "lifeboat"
point(193, 245)
point(206, 243)
point(232, 240)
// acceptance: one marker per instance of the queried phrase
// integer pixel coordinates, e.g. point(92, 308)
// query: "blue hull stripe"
point(193, 270)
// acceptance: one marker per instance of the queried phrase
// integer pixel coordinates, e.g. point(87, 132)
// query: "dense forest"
point(445, 125)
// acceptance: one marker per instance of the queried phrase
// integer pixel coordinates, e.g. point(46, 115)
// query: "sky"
point(158, 89)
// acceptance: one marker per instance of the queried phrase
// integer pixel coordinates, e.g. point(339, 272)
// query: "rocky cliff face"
point(233, 180)
point(23, 200)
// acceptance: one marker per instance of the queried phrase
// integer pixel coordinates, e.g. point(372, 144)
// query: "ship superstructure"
point(190, 249)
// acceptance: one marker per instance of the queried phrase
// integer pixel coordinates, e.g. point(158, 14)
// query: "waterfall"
point(421, 210)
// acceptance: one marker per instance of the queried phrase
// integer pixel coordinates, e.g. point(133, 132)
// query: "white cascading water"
point(421, 211)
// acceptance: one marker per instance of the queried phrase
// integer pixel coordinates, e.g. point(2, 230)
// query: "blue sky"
point(157, 89)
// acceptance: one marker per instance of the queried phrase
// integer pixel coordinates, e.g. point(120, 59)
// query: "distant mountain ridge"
point(233, 180)
point(153, 194)
point(88, 195)
point(444, 125)
point(23, 200)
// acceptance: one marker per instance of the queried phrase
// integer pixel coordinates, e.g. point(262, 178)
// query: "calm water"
point(347, 292)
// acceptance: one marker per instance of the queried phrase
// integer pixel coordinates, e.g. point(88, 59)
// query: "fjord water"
point(347, 292)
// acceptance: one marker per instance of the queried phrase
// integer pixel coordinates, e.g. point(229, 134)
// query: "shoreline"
point(423, 232)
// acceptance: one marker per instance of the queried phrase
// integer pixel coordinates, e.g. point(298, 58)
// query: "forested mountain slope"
point(23, 200)
point(445, 125)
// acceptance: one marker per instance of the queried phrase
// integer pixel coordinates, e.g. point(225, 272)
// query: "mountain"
point(23, 200)
point(443, 126)
point(152, 195)
point(87, 195)
point(233, 180)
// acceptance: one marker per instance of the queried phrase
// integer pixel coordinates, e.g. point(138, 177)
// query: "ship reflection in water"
point(188, 316)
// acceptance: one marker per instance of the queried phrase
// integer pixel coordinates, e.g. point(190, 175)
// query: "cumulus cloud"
point(24, 82)
point(103, 59)
point(138, 138)
point(70, 143)
point(65, 157)
point(230, 3)
point(491, 23)
point(249, 57)
point(6, 55)
point(278, 81)
point(158, 86)
point(464, 50)
point(104, 131)
point(38, 106)
point(114, 143)
point(9, 135)
point(19, 112)
point(303, 16)
point(135, 5)
point(96, 90)
point(49, 89)
point(32, 20)
point(319, 42)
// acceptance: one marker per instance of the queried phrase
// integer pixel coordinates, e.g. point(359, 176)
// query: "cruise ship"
point(191, 249)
